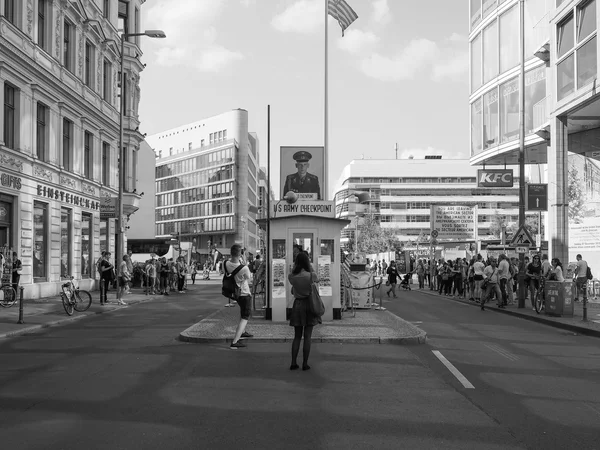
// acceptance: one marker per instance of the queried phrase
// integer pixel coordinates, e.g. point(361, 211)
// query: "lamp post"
point(121, 228)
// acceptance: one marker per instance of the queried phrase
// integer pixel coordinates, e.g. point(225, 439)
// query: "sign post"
point(537, 197)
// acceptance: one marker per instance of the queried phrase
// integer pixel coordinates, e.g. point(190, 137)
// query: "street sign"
point(538, 240)
point(522, 249)
point(434, 233)
point(495, 178)
point(522, 238)
point(537, 197)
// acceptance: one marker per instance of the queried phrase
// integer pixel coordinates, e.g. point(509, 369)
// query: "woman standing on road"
point(303, 321)
point(124, 277)
point(478, 268)
point(392, 274)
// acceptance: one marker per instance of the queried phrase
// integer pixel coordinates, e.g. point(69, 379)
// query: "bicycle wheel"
point(67, 304)
point(83, 300)
point(539, 302)
point(8, 296)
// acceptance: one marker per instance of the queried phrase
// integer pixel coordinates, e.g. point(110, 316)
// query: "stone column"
point(558, 168)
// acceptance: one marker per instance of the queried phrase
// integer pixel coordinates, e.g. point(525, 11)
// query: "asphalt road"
point(122, 381)
point(540, 384)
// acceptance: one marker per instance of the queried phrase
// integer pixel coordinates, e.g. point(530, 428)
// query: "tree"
point(372, 238)
point(575, 196)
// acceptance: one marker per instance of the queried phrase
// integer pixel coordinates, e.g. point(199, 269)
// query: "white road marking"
point(417, 322)
point(459, 376)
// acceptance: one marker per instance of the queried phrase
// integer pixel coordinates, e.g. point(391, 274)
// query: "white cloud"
point(420, 153)
point(420, 57)
point(248, 3)
point(355, 40)
point(191, 39)
point(304, 16)
point(455, 37)
point(381, 12)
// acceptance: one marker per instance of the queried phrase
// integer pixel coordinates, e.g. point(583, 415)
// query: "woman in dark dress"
point(303, 321)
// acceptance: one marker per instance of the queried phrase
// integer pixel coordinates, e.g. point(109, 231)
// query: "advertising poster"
point(324, 273)
point(584, 239)
point(454, 222)
point(302, 172)
point(279, 281)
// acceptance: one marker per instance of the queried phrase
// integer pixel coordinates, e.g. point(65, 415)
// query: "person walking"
point(492, 277)
point(129, 261)
point(504, 273)
point(392, 273)
point(164, 276)
point(193, 272)
point(181, 272)
point(421, 274)
point(303, 321)
point(534, 273)
point(244, 299)
point(581, 278)
point(124, 277)
point(106, 270)
point(150, 270)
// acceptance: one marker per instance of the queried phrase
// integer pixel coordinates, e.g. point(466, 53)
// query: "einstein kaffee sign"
point(315, 208)
point(454, 222)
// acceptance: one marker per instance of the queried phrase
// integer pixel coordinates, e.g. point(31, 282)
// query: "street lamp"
point(120, 230)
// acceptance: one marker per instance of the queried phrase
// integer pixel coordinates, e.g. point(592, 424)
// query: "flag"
point(341, 11)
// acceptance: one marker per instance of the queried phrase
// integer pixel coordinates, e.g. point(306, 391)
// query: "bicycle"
point(8, 296)
point(73, 298)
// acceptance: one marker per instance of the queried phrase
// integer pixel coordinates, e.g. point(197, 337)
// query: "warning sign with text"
point(454, 222)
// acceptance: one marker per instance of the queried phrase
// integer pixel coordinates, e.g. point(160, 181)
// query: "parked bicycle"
point(539, 302)
point(73, 298)
point(8, 296)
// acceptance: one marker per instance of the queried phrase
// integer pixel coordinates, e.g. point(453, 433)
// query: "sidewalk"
point(591, 327)
point(49, 312)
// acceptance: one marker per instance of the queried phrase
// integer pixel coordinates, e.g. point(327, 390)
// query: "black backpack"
point(588, 274)
point(230, 289)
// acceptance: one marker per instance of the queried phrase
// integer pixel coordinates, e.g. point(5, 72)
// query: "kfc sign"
point(494, 178)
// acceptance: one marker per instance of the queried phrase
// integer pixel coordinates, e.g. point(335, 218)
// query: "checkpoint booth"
point(308, 226)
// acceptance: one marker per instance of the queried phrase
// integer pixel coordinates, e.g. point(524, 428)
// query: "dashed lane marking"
point(459, 376)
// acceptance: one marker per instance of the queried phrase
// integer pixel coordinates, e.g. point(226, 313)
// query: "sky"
point(399, 75)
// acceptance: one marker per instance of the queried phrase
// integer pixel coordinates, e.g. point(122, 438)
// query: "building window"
point(566, 37)
point(220, 136)
point(67, 144)
point(67, 48)
point(122, 23)
point(106, 77)
point(509, 39)
point(490, 52)
point(106, 9)
point(9, 11)
point(535, 99)
point(10, 116)
point(40, 238)
point(536, 29)
point(65, 242)
point(224, 135)
point(88, 154)
point(86, 233)
point(136, 25)
point(89, 65)
point(509, 111)
point(105, 163)
point(41, 131)
point(586, 20)
point(190, 146)
point(42, 24)
point(476, 63)
point(490, 119)
point(476, 127)
point(475, 12)
point(202, 143)
point(488, 7)
point(104, 235)
point(587, 62)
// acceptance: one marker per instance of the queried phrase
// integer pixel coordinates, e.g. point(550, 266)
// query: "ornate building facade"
point(59, 133)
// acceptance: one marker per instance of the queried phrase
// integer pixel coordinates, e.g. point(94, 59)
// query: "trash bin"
point(559, 298)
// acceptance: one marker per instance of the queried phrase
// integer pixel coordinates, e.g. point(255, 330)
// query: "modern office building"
point(402, 192)
point(59, 67)
point(207, 183)
point(562, 106)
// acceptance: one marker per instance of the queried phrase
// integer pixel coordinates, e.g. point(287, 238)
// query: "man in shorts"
point(245, 299)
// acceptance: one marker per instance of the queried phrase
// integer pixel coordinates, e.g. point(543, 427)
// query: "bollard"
point(21, 289)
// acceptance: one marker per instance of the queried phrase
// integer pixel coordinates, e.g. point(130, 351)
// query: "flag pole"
point(326, 113)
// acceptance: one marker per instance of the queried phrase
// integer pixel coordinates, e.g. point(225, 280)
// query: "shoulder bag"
point(315, 303)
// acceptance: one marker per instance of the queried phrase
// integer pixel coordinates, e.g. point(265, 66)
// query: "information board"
point(454, 222)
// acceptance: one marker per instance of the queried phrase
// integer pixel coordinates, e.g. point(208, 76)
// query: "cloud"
point(381, 12)
point(304, 16)
point(420, 57)
point(248, 3)
point(191, 39)
point(420, 153)
point(356, 40)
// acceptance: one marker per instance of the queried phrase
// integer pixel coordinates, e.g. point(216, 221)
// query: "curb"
point(66, 320)
point(412, 340)
point(537, 318)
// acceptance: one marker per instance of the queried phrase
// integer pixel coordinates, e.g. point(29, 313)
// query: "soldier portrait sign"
point(302, 172)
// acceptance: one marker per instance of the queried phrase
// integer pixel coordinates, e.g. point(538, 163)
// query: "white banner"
point(315, 208)
point(454, 222)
